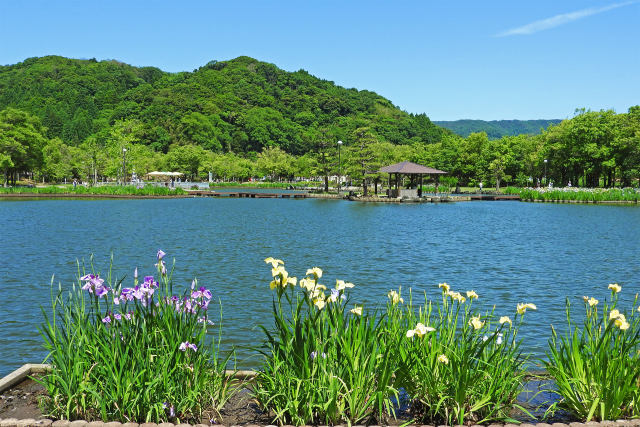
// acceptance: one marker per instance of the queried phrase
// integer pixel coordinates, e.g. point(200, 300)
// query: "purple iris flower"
point(138, 293)
point(97, 281)
point(314, 354)
point(117, 316)
point(167, 405)
point(93, 284)
point(187, 345)
point(204, 319)
point(135, 274)
point(127, 294)
point(161, 254)
point(149, 282)
point(106, 320)
point(101, 291)
point(188, 307)
point(206, 293)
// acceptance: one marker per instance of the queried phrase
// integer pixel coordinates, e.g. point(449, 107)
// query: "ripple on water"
point(508, 252)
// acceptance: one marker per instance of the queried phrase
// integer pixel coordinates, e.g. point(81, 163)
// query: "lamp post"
point(339, 167)
point(124, 166)
point(545, 171)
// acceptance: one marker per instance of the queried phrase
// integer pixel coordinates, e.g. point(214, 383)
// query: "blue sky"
point(449, 59)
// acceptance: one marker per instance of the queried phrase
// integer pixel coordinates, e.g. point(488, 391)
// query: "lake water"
point(508, 252)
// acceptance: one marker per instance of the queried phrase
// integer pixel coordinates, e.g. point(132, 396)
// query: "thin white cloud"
point(561, 19)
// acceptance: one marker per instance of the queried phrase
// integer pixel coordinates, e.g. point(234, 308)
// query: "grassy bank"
point(595, 195)
point(266, 184)
point(128, 190)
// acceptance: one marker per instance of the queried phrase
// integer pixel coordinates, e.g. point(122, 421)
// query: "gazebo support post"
point(420, 188)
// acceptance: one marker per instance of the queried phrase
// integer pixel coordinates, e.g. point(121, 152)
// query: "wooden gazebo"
point(413, 170)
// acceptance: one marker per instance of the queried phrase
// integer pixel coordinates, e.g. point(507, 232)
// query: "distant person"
point(75, 183)
point(569, 184)
point(480, 186)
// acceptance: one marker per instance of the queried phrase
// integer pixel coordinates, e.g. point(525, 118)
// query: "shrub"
point(132, 354)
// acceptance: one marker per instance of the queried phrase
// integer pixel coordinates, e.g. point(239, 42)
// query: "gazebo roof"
point(410, 168)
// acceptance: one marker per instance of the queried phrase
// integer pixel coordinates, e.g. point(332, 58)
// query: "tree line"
point(594, 148)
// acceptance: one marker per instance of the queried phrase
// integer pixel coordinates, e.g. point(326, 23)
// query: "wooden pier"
point(245, 194)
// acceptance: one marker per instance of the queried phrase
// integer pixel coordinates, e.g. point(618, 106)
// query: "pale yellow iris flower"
point(505, 319)
point(316, 271)
point(357, 311)
point(619, 320)
point(443, 359)
point(444, 286)
point(420, 330)
point(522, 308)
point(274, 262)
point(476, 322)
point(394, 297)
point(472, 295)
point(342, 285)
point(456, 296)
point(615, 287)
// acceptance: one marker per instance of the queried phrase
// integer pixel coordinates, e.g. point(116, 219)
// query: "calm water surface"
point(508, 252)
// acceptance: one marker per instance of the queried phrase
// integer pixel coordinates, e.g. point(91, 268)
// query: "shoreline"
point(369, 199)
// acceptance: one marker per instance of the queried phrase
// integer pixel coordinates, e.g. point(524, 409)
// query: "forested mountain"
point(497, 128)
point(64, 118)
point(242, 105)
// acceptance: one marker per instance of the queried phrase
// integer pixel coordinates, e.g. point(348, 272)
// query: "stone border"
point(33, 368)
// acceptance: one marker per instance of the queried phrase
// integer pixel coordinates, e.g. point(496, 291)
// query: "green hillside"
point(242, 105)
point(497, 128)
